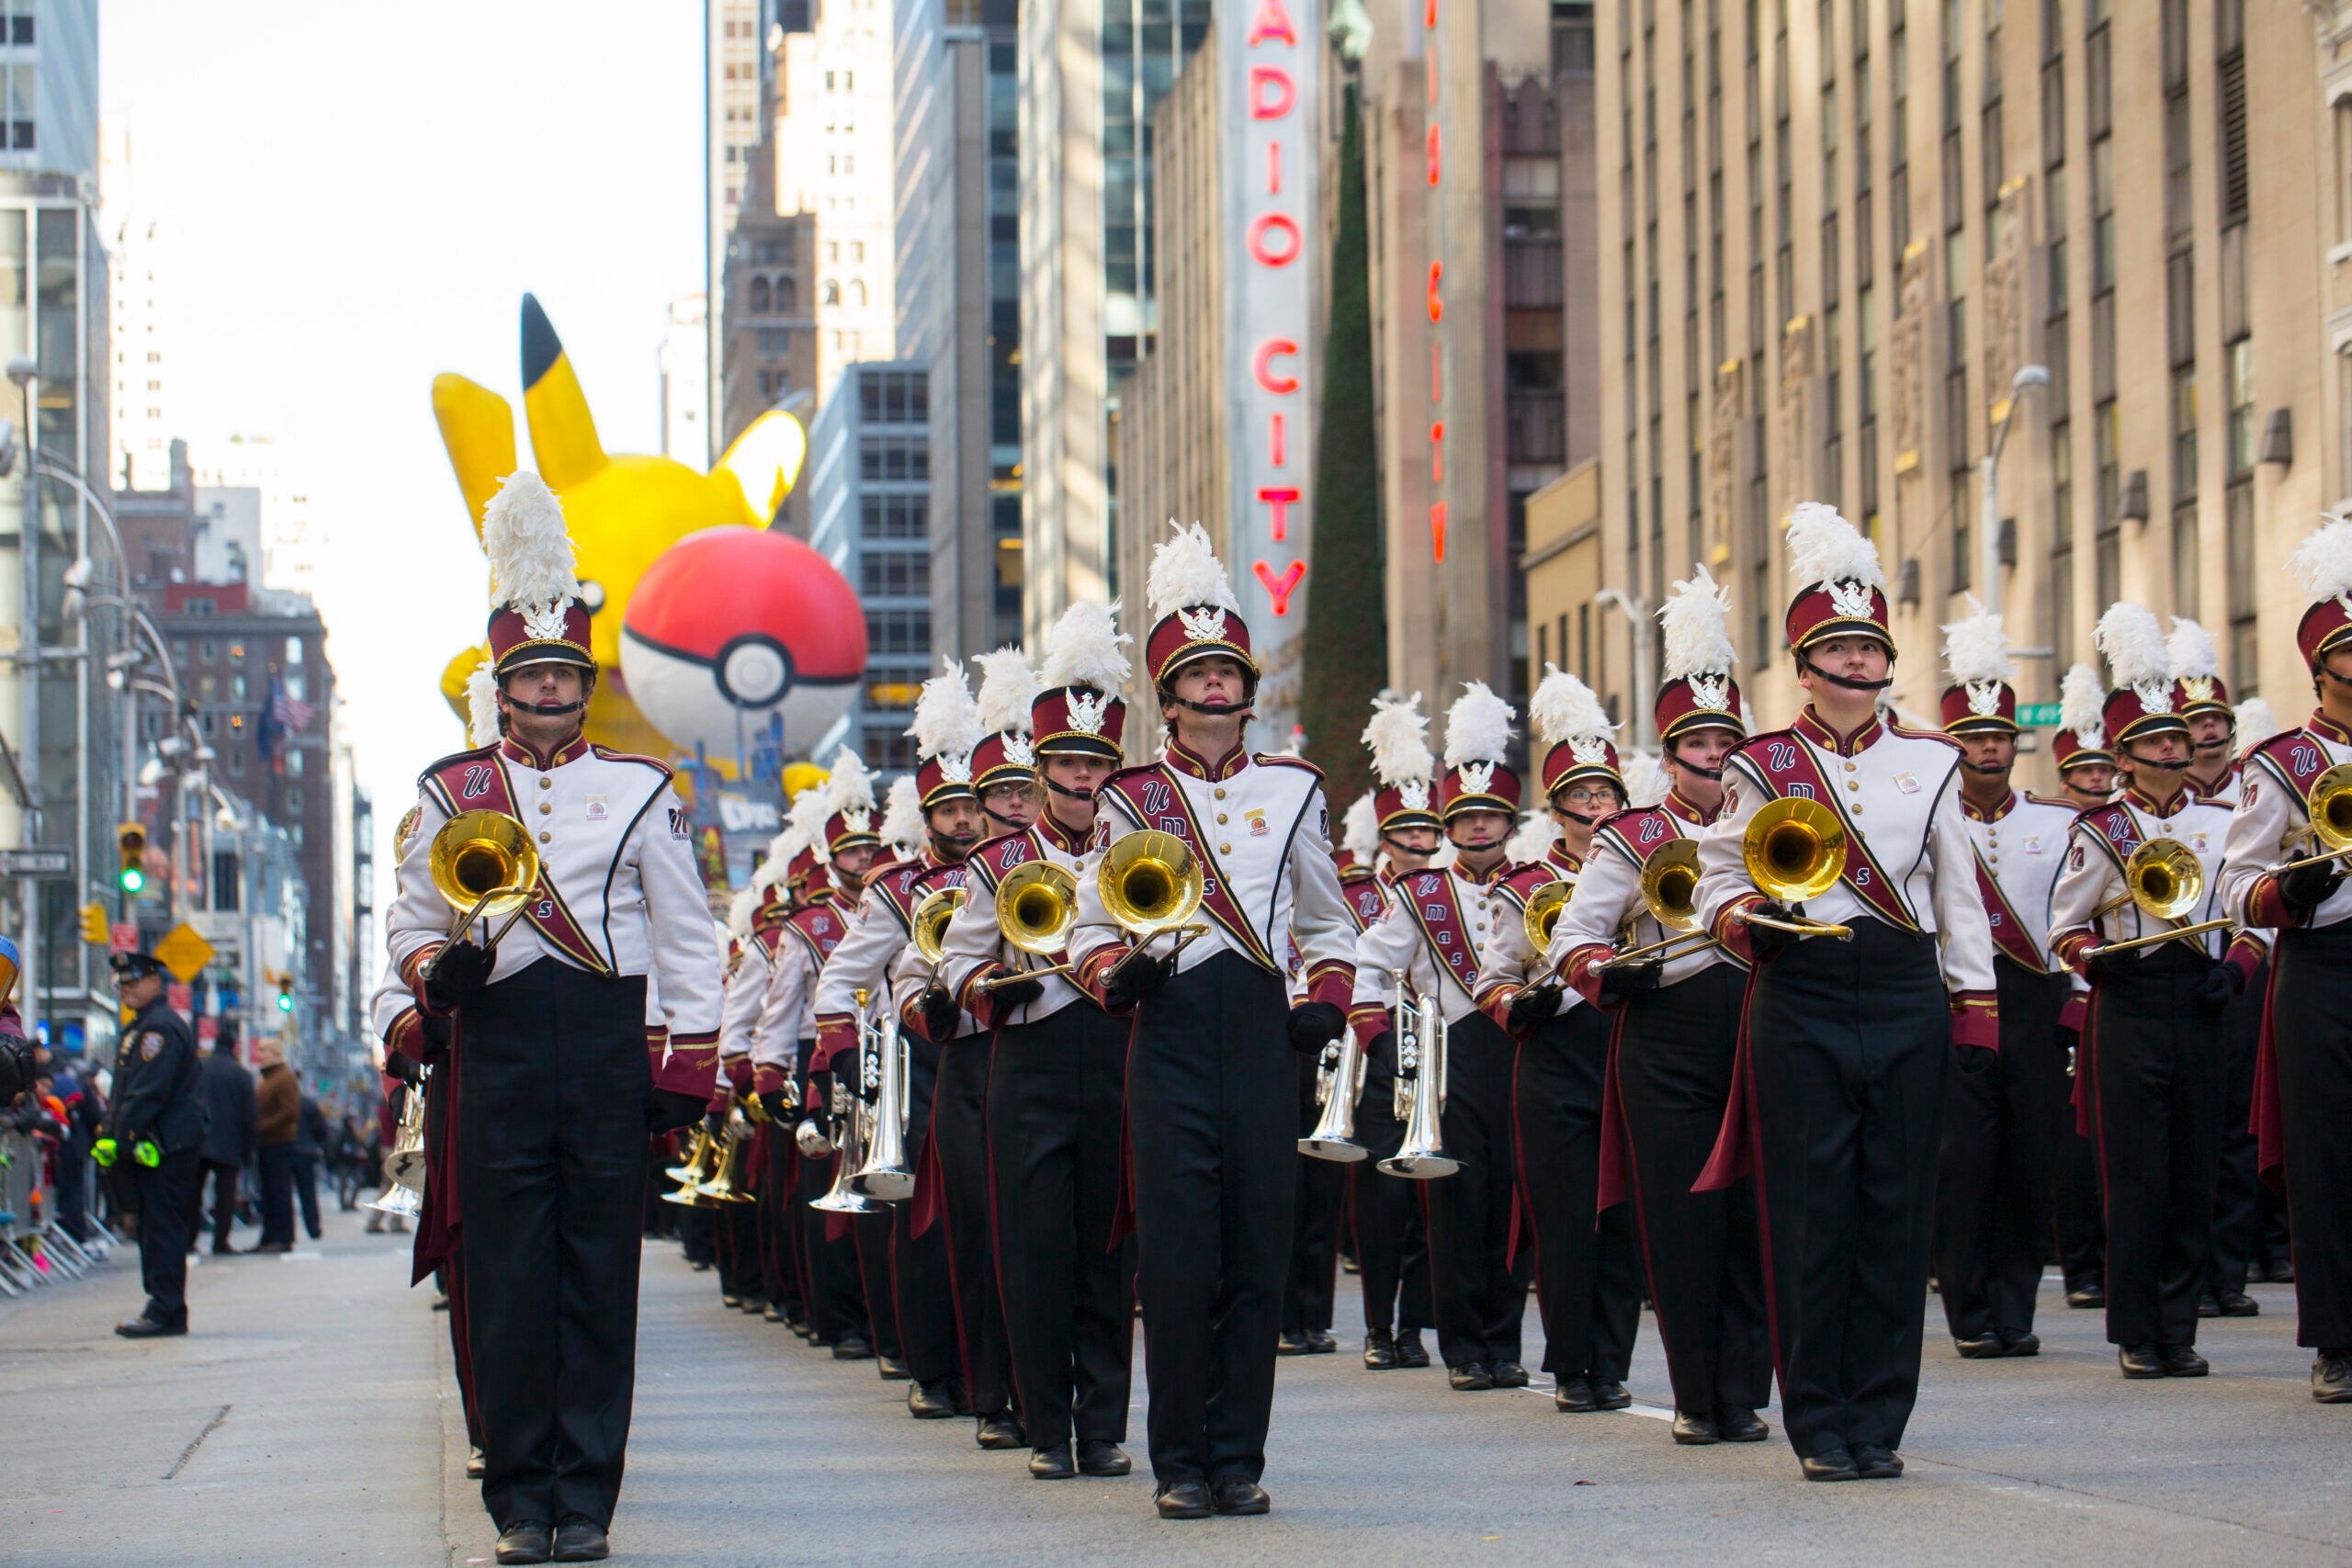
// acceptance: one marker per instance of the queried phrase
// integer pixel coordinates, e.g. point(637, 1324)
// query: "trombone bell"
point(1796, 850)
point(485, 864)
point(1151, 882)
point(1670, 885)
point(1037, 905)
point(1542, 914)
point(938, 907)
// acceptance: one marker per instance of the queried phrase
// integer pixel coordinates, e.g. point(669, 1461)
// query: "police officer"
point(151, 1135)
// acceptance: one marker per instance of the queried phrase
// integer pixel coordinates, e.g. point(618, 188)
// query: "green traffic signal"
point(133, 879)
point(285, 1003)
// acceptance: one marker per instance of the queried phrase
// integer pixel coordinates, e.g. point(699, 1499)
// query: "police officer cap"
point(135, 965)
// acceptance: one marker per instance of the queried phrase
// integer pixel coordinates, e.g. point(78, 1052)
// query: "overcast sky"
point(357, 197)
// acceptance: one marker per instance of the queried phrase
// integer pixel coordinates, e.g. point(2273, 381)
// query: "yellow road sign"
point(184, 953)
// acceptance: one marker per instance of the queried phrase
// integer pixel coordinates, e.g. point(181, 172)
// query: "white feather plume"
point(2322, 562)
point(1825, 549)
point(1645, 778)
point(849, 786)
point(1477, 727)
point(1360, 830)
point(807, 817)
point(739, 912)
point(1563, 709)
point(2134, 645)
point(481, 705)
point(903, 824)
point(947, 721)
point(1185, 572)
point(1398, 737)
point(2191, 649)
point(2082, 705)
point(2256, 723)
point(1697, 619)
point(1536, 833)
point(1008, 685)
point(1085, 648)
point(529, 550)
point(1976, 647)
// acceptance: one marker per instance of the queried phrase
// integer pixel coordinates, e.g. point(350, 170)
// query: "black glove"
point(2219, 988)
point(1137, 979)
point(1382, 1052)
point(2308, 887)
point(1766, 943)
point(1532, 1006)
point(16, 1066)
point(1011, 995)
point(1314, 1025)
point(667, 1111)
point(1621, 980)
point(777, 1104)
point(405, 1068)
point(939, 1010)
point(458, 973)
point(2106, 966)
point(713, 1121)
point(1974, 1059)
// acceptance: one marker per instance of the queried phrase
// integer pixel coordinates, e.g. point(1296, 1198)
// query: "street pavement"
point(341, 1442)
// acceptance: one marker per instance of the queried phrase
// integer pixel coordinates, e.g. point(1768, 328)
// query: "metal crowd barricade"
point(35, 1248)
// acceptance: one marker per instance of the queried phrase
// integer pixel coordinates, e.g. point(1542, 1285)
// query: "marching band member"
point(1678, 1032)
point(1993, 1192)
point(1845, 1049)
point(558, 1090)
point(1209, 1085)
point(2151, 1066)
point(1056, 1100)
point(2086, 779)
point(1438, 926)
point(2303, 1097)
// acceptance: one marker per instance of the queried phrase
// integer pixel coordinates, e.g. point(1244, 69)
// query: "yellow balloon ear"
point(764, 462)
point(563, 433)
point(478, 431)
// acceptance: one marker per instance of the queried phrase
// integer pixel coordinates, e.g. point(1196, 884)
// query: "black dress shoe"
point(1695, 1431)
point(1875, 1463)
point(1737, 1424)
point(1986, 1347)
point(1052, 1464)
point(1100, 1456)
point(2182, 1361)
point(1234, 1496)
point(1573, 1396)
point(1379, 1352)
point(1508, 1374)
point(1291, 1343)
point(578, 1540)
point(2332, 1377)
point(1835, 1465)
point(892, 1368)
point(2237, 1303)
point(1470, 1377)
point(2019, 1342)
point(776, 1313)
point(524, 1540)
point(1608, 1393)
point(2139, 1361)
point(853, 1349)
point(148, 1328)
point(999, 1431)
point(2085, 1297)
point(1182, 1500)
point(1410, 1349)
point(929, 1401)
point(1320, 1342)
point(2282, 1272)
point(2207, 1306)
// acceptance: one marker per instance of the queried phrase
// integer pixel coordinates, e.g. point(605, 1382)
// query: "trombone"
point(1339, 1084)
point(1037, 905)
point(886, 1083)
point(2329, 805)
point(1795, 850)
point(1151, 882)
point(930, 925)
point(1419, 1096)
point(1669, 891)
point(2166, 880)
point(484, 864)
point(1542, 913)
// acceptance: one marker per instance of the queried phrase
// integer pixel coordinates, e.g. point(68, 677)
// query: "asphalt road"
point(341, 1442)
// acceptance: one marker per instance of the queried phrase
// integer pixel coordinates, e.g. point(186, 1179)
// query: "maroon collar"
point(1811, 726)
point(1558, 856)
point(1675, 805)
point(518, 752)
point(1185, 761)
point(2326, 728)
point(2008, 805)
point(1495, 872)
point(1069, 841)
point(2139, 799)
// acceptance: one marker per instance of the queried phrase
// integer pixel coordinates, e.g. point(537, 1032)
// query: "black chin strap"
point(548, 710)
point(1239, 710)
point(1578, 817)
point(1848, 683)
point(1067, 793)
point(1713, 775)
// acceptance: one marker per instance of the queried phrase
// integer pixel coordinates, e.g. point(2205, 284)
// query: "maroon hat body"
point(1980, 707)
point(1478, 786)
point(1078, 720)
point(2134, 713)
point(541, 637)
point(1195, 633)
point(1406, 805)
point(1694, 702)
point(1005, 755)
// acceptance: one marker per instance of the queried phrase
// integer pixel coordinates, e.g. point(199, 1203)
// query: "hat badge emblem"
point(1018, 752)
point(1413, 794)
point(956, 768)
point(1205, 623)
point(1711, 691)
point(1477, 778)
point(1851, 600)
point(2199, 688)
point(2155, 696)
point(544, 621)
point(1086, 712)
point(1983, 698)
point(1589, 750)
point(857, 821)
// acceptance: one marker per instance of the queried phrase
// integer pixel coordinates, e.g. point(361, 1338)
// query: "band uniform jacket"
point(976, 949)
point(1441, 924)
point(1609, 893)
point(2103, 838)
point(1508, 964)
point(2272, 826)
point(746, 990)
point(619, 893)
point(2228, 792)
point(2021, 849)
point(911, 973)
point(804, 940)
point(879, 930)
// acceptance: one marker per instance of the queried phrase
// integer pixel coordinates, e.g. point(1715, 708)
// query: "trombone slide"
point(1185, 935)
point(2199, 928)
point(1800, 927)
point(1699, 941)
point(991, 985)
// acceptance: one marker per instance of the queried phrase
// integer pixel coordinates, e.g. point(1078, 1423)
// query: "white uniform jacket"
point(977, 950)
point(2021, 848)
point(861, 961)
point(805, 939)
point(1437, 932)
point(1508, 962)
point(2103, 839)
point(1609, 895)
point(2272, 826)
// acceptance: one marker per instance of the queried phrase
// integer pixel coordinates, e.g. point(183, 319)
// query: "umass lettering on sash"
point(475, 782)
point(1639, 833)
point(1429, 895)
point(819, 930)
point(1157, 800)
point(1789, 769)
point(2116, 829)
point(1366, 901)
point(2298, 759)
point(2009, 932)
point(896, 886)
point(1522, 882)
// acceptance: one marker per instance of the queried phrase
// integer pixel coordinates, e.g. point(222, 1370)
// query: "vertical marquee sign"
point(1435, 110)
point(1270, 56)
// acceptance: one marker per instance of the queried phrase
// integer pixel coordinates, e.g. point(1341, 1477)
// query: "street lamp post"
point(2029, 378)
point(23, 372)
point(1637, 616)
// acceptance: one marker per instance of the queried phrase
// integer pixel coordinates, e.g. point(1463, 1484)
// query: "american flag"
point(285, 711)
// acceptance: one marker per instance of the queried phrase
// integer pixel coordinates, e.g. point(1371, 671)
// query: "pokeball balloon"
point(730, 624)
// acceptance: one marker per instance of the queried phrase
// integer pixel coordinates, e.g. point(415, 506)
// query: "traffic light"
point(285, 993)
point(94, 925)
point(132, 838)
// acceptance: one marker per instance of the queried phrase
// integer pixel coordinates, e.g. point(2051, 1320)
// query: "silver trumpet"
point(1420, 1087)
point(886, 1077)
point(850, 1119)
point(404, 1162)
point(1339, 1084)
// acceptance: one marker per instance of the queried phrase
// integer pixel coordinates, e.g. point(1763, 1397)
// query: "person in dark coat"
point(310, 1145)
point(227, 1090)
point(152, 1133)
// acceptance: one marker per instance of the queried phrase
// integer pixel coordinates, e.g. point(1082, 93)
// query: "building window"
point(902, 574)
point(759, 296)
point(2238, 561)
point(2343, 121)
point(21, 103)
point(894, 457)
point(894, 517)
point(2242, 416)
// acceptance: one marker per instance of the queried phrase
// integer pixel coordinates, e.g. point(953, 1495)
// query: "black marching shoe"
point(756, 1306)
point(2281, 1273)
point(2019, 1342)
point(1835, 1465)
point(1100, 1456)
point(2182, 1361)
point(2139, 1361)
point(1470, 1377)
point(2207, 1306)
point(581, 1540)
point(1508, 1374)
point(1875, 1463)
point(1608, 1393)
point(892, 1369)
point(930, 1401)
point(2237, 1303)
point(1181, 1500)
point(148, 1328)
point(524, 1540)
point(1737, 1424)
point(1573, 1396)
point(1320, 1342)
point(852, 1348)
point(1695, 1430)
point(1052, 1464)
point(1000, 1430)
point(1379, 1351)
point(1291, 1343)
point(1983, 1348)
point(1410, 1349)
point(2332, 1377)
point(2087, 1296)
point(1234, 1496)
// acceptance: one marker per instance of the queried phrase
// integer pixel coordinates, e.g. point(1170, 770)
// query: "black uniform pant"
point(836, 1294)
point(2159, 1065)
point(223, 1178)
point(165, 1195)
point(551, 1155)
point(1210, 1097)
point(960, 1121)
point(1057, 1092)
point(1993, 1191)
point(780, 1264)
point(1478, 1296)
point(1675, 1054)
point(2237, 1203)
point(1588, 1280)
point(2313, 1034)
point(922, 1278)
point(1392, 1239)
point(1848, 1050)
point(1314, 1222)
point(2079, 1221)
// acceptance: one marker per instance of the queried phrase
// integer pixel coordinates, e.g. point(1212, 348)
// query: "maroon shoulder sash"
point(1365, 900)
point(2299, 759)
point(1428, 896)
point(2009, 933)
point(1788, 768)
point(473, 781)
point(819, 928)
point(2116, 827)
point(995, 859)
point(1640, 832)
point(1524, 881)
point(1157, 801)
point(896, 885)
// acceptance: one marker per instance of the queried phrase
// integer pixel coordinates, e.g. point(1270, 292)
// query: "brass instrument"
point(849, 1118)
point(484, 864)
point(1037, 905)
point(1669, 891)
point(697, 1152)
point(2166, 881)
point(1795, 850)
point(705, 1157)
point(928, 926)
point(405, 1163)
point(886, 1079)
point(1542, 913)
point(1152, 881)
point(1419, 1094)
point(2329, 804)
point(1339, 1084)
point(726, 1185)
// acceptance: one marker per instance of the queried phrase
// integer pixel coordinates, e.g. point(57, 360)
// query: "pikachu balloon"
point(626, 512)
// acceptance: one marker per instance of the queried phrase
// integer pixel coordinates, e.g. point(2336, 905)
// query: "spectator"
point(350, 1164)
point(278, 1101)
point(310, 1147)
point(74, 1152)
point(227, 1090)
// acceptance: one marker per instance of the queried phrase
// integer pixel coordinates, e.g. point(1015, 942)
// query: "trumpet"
point(1037, 905)
point(2166, 881)
point(1152, 881)
point(1669, 892)
point(885, 1080)
point(2329, 805)
point(484, 864)
point(1419, 1095)
point(404, 1162)
point(1339, 1084)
